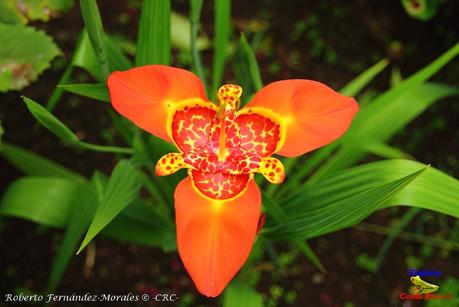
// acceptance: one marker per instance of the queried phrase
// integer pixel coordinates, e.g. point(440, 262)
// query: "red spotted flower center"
point(221, 146)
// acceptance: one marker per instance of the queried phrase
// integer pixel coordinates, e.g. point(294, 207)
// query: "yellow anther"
point(229, 97)
point(272, 169)
point(170, 163)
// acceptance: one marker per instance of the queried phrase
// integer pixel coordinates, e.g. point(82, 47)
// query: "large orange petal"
point(214, 237)
point(311, 114)
point(148, 94)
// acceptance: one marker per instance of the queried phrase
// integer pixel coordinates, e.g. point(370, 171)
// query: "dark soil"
point(347, 37)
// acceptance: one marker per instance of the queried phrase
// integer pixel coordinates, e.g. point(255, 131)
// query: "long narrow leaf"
point(341, 213)
point(356, 85)
point(54, 125)
point(222, 9)
point(33, 164)
point(90, 90)
point(382, 119)
point(93, 23)
point(83, 210)
point(433, 189)
point(353, 88)
point(122, 189)
point(195, 14)
point(154, 38)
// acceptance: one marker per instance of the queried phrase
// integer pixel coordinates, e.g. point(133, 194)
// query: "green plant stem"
point(57, 92)
point(196, 6)
point(101, 148)
point(395, 231)
point(409, 236)
point(280, 216)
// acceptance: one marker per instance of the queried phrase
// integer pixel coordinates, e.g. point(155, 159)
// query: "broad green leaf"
point(83, 210)
point(95, 91)
point(9, 13)
point(51, 201)
point(93, 24)
point(35, 165)
point(222, 16)
point(238, 294)
point(24, 55)
point(44, 200)
point(122, 188)
point(50, 122)
point(13, 11)
point(382, 119)
point(342, 212)
point(154, 37)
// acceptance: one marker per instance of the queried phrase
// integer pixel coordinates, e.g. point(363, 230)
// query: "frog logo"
point(420, 286)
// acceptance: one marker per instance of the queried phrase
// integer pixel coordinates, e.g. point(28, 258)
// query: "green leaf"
point(222, 9)
point(51, 201)
point(93, 23)
point(85, 57)
point(25, 54)
point(362, 80)
point(13, 11)
point(10, 14)
point(382, 119)
point(61, 5)
point(95, 91)
point(195, 14)
point(44, 200)
point(246, 69)
point(33, 164)
point(50, 122)
point(278, 214)
point(139, 223)
point(154, 37)
point(81, 215)
point(377, 147)
point(347, 208)
point(122, 188)
point(433, 189)
point(238, 294)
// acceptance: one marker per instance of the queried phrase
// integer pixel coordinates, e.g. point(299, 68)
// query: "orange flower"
point(218, 206)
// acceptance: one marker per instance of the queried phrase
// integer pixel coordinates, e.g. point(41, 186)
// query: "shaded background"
point(329, 41)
